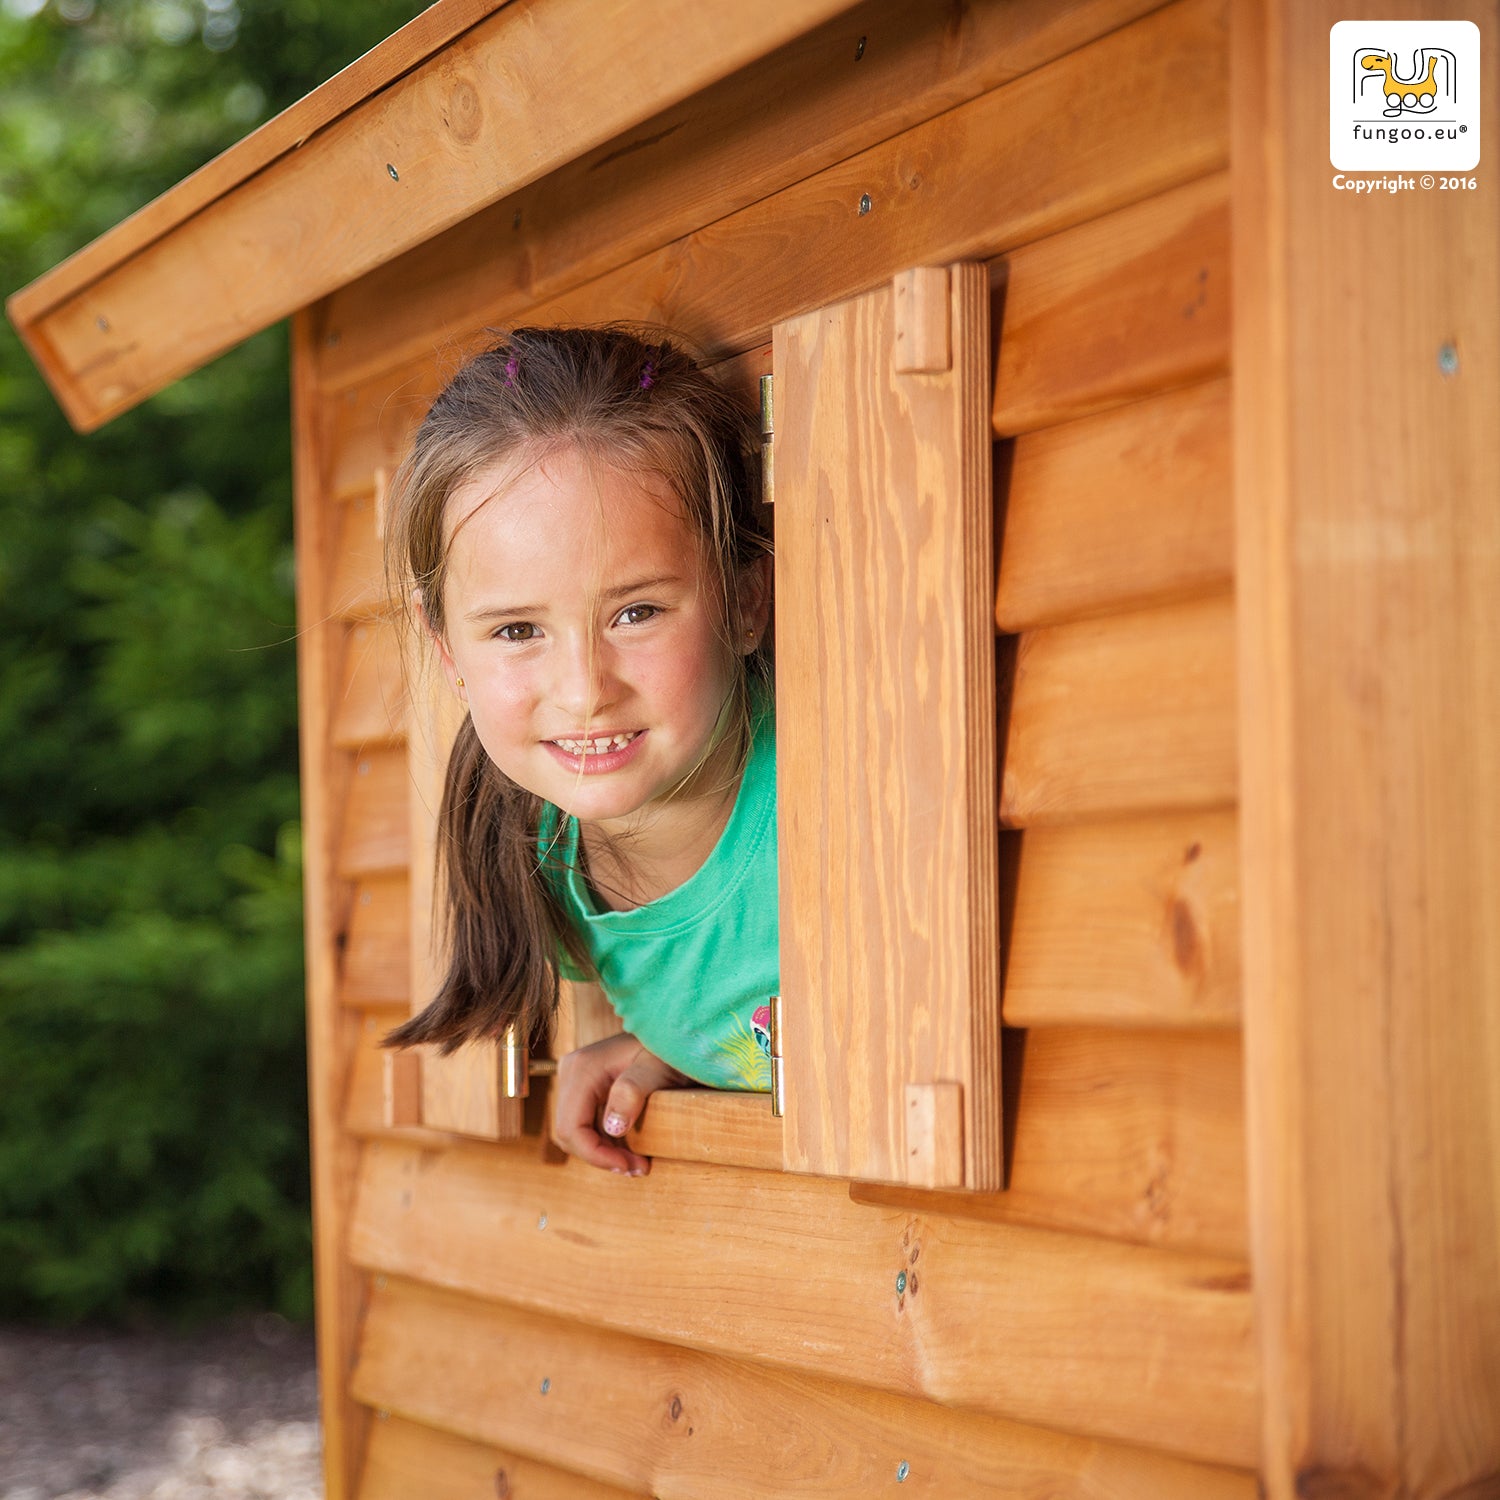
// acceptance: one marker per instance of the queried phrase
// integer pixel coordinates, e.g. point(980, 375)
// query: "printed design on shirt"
point(745, 1051)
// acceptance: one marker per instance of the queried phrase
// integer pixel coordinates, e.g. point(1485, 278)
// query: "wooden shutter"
point(886, 735)
point(461, 1092)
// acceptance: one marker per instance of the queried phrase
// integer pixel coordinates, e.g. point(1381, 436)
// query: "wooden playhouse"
point(1139, 686)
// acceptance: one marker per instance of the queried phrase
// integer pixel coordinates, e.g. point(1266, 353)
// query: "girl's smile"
point(580, 617)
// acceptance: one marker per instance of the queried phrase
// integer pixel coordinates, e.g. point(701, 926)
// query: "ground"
point(225, 1413)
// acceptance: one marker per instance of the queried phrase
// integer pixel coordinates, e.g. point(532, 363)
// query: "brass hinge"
point(518, 1067)
point(778, 1079)
point(767, 437)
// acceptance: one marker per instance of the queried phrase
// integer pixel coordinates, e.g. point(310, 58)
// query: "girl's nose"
point(584, 684)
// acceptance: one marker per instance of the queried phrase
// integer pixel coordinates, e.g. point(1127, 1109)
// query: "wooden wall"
point(494, 1321)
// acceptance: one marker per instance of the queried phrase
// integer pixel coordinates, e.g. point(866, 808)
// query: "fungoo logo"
point(1403, 95)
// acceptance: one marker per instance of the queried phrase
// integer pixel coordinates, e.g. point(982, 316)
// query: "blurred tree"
point(153, 1152)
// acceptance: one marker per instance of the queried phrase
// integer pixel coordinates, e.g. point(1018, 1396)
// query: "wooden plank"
point(1115, 1341)
point(377, 944)
point(407, 1459)
point(885, 681)
point(460, 1092)
point(517, 95)
point(1368, 579)
point(1128, 922)
point(736, 1130)
point(382, 65)
point(330, 1033)
point(1132, 1135)
point(678, 1424)
point(364, 1099)
point(374, 838)
point(371, 705)
point(369, 430)
point(1116, 309)
point(1116, 511)
point(1130, 714)
point(873, 72)
point(357, 587)
point(1019, 163)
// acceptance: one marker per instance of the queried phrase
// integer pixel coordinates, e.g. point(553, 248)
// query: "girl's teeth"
point(595, 747)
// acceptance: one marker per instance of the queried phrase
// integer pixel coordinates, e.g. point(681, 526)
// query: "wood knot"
point(675, 1409)
point(1322, 1483)
point(1187, 947)
point(463, 114)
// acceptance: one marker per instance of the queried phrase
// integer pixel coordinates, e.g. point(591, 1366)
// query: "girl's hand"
point(617, 1073)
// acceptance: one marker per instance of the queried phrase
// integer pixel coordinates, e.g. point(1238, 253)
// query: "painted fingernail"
point(614, 1124)
point(618, 1170)
point(637, 1171)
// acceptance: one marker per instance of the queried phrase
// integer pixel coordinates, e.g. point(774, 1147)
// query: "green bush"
point(153, 1125)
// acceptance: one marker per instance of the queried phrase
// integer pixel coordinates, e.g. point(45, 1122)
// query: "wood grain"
point(371, 704)
point(374, 838)
point(1050, 150)
point(1116, 511)
point(1368, 580)
point(357, 588)
point(517, 95)
point(288, 131)
point(736, 1130)
point(670, 1422)
point(1125, 922)
point(377, 944)
point(1130, 714)
point(1135, 1136)
point(875, 71)
point(1132, 1136)
point(331, 1033)
point(407, 1459)
point(1112, 1340)
point(886, 736)
point(460, 1092)
point(366, 1106)
point(1119, 308)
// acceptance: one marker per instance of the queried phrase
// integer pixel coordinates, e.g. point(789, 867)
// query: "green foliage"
point(153, 1153)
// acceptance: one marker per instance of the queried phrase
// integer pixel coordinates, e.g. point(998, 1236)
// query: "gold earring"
point(460, 682)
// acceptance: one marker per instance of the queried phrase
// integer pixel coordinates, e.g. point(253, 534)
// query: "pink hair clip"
point(648, 375)
point(511, 366)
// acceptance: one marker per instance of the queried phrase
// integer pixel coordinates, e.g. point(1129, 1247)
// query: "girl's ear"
point(755, 599)
point(445, 656)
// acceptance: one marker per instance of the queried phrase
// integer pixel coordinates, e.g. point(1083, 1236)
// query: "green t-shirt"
point(691, 973)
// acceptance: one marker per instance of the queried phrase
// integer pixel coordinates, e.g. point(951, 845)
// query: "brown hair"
point(633, 404)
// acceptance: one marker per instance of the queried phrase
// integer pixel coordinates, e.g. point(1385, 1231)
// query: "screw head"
point(541, 1222)
point(546, 1384)
point(864, 204)
point(900, 1282)
point(859, 51)
point(395, 175)
point(1448, 359)
point(902, 1470)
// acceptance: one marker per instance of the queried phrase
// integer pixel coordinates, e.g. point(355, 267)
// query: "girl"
point(576, 526)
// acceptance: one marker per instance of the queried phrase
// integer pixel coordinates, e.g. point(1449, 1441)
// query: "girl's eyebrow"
point(636, 586)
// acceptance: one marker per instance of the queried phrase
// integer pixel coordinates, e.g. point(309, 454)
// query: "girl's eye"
point(524, 631)
point(638, 614)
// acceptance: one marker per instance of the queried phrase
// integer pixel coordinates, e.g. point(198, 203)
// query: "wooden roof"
point(469, 102)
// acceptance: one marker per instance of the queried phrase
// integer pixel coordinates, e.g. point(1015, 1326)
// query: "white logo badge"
point(1403, 96)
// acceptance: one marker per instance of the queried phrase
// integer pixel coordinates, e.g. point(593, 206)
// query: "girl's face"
point(585, 627)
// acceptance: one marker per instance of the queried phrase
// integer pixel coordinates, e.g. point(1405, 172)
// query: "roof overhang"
point(469, 102)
